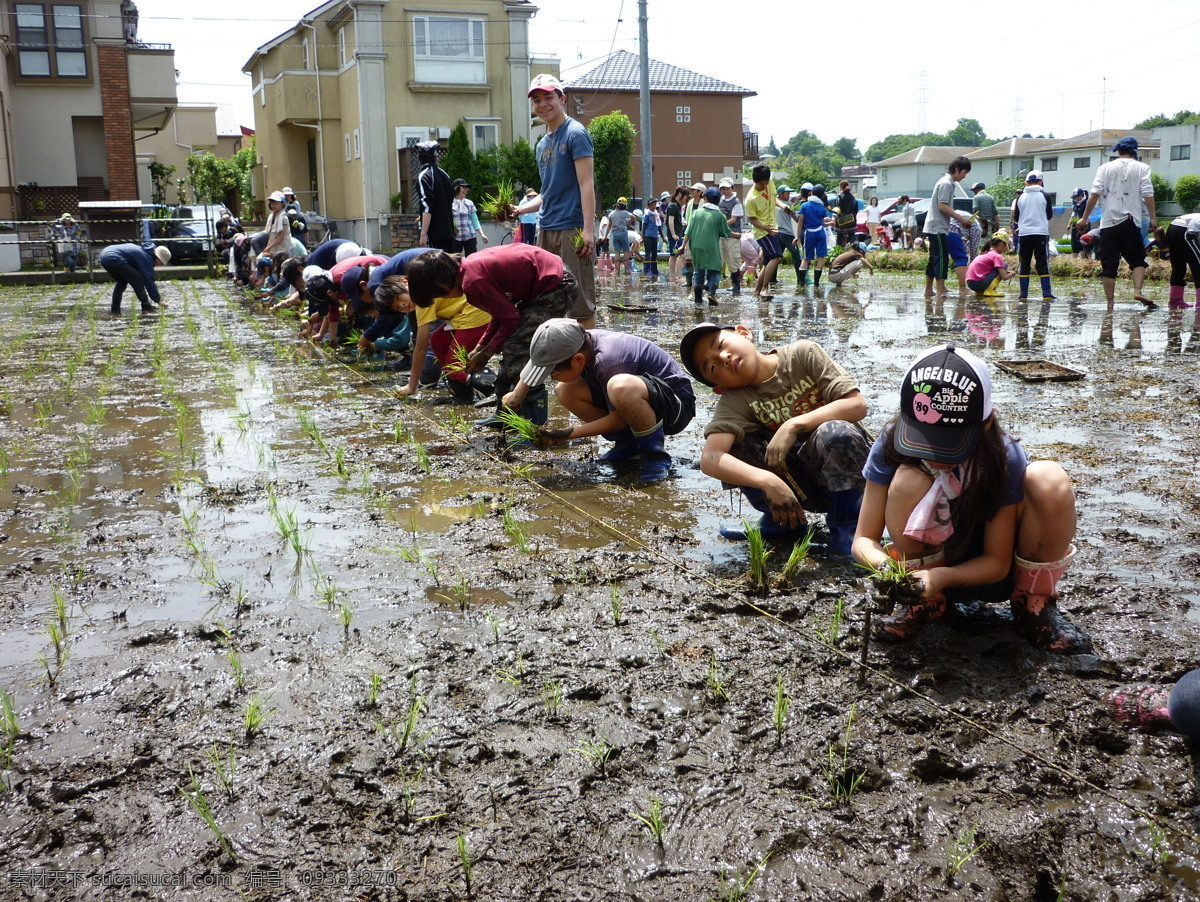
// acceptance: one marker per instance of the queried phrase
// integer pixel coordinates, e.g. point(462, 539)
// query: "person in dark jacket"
point(437, 200)
point(132, 265)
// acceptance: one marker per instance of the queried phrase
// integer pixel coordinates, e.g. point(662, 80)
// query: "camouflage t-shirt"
point(806, 378)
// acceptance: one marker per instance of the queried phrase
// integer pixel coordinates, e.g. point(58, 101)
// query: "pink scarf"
point(930, 520)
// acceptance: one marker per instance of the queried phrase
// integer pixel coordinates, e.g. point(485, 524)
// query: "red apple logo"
point(923, 405)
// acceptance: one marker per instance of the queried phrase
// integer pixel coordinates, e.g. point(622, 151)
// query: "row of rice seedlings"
point(58, 632)
point(10, 729)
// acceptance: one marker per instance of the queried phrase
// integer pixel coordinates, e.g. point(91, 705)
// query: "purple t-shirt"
point(619, 352)
point(878, 470)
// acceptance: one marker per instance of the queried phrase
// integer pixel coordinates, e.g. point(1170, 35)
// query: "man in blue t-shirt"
point(568, 199)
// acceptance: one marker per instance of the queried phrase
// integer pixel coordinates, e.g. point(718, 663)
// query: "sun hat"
point(554, 341)
point(277, 196)
point(311, 272)
point(945, 398)
point(163, 254)
point(807, 186)
point(287, 191)
point(544, 82)
point(725, 183)
point(687, 347)
point(622, 200)
point(666, 195)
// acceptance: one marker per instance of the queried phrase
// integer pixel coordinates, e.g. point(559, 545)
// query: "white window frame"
point(1049, 164)
point(429, 66)
point(488, 124)
point(357, 144)
point(346, 141)
point(341, 43)
point(304, 60)
point(262, 84)
point(683, 114)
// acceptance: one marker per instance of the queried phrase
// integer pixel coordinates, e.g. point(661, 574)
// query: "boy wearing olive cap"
point(786, 430)
point(621, 386)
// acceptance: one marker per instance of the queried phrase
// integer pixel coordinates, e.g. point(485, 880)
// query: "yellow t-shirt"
point(460, 314)
point(761, 205)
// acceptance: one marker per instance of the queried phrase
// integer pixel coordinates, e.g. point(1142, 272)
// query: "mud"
point(554, 645)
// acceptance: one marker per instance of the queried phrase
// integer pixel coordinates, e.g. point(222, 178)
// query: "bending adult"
point(132, 266)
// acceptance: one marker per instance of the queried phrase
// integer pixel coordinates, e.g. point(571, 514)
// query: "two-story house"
point(341, 96)
point(696, 119)
point(77, 88)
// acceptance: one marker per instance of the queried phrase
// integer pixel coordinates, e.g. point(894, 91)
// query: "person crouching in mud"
point(969, 516)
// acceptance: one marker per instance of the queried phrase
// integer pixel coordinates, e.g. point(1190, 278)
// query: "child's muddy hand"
point(930, 582)
point(478, 361)
point(548, 438)
point(785, 509)
point(779, 446)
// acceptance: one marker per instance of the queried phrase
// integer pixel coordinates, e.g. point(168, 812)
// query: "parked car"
point(194, 231)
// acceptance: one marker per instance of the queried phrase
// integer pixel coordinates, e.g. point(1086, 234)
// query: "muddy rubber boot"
point(115, 310)
point(625, 447)
point(1035, 610)
point(1047, 294)
point(803, 280)
point(817, 278)
point(736, 278)
point(656, 462)
point(904, 625)
point(841, 522)
point(461, 391)
point(698, 293)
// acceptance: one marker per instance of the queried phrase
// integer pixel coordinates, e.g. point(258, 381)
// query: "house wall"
point(914, 179)
point(1181, 135)
point(708, 142)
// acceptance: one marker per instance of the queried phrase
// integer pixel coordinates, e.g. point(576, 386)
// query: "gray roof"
point(619, 72)
point(926, 154)
point(1013, 147)
point(1107, 138)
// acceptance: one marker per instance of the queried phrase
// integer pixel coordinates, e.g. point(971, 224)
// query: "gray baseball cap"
point(554, 341)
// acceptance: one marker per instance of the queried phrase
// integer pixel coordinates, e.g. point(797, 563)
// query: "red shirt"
point(498, 278)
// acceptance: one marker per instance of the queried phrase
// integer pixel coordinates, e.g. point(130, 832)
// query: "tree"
point(1187, 192)
point(805, 170)
point(1162, 188)
point(219, 180)
point(771, 148)
point(612, 140)
point(846, 147)
point(803, 143)
point(967, 133)
point(160, 181)
point(1183, 117)
point(458, 161)
point(1005, 189)
point(894, 145)
point(518, 165)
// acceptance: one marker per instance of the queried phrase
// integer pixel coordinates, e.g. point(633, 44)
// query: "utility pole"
point(647, 153)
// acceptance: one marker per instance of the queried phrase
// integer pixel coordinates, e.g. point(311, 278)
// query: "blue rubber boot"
point(841, 523)
point(1047, 294)
point(1024, 282)
point(626, 447)
point(656, 462)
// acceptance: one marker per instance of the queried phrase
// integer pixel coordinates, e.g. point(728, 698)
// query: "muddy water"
point(196, 487)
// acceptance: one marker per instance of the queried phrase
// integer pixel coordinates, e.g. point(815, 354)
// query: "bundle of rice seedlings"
point(499, 205)
point(460, 359)
point(514, 422)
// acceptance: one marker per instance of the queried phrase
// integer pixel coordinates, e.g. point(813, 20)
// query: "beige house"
point(194, 128)
point(77, 87)
point(340, 96)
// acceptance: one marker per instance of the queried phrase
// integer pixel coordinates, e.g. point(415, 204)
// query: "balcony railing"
point(749, 145)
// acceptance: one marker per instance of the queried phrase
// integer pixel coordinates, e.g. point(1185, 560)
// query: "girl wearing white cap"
point(967, 514)
point(279, 230)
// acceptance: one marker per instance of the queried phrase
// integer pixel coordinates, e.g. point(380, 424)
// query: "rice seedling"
point(400, 433)
point(652, 820)
point(498, 206)
point(58, 632)
point(255, 714)
point(515, 531)
point(4, 464)
point(328, 590)
point(614, 602)
point(577, 242)
point(309, 427)
point(783, 701)
point(552, 696)
point(339, 462)
point(894, 584)
point(431, 568)
point(757, 548)
point(374, 682)
point(798, 555)
point(523, 428)
point(10, 729)
point(346, 614)
point(843, 779)
point(524, 471)
point(464, 859)
point(494, 623)
point(96, 412)
point(199, 802)
point(422, 455)
point(460, 359)
point(513, 675)
point(1160, 850)
point(737, 889)
point(408, 735)
point(235, 667)
point(597, 752)
point(461, 594)
point(830, 633)
point(45, 410)
point(960, 850)
point(713, 680)
point(224, 762)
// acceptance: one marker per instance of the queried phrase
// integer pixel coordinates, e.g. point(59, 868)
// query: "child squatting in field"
point(621, 386)
point(967, 513)
point(786, 430)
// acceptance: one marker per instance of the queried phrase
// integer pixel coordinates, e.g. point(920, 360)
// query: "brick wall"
point(118, 121)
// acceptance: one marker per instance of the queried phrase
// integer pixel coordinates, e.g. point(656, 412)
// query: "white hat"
point(545, 82)
point(287, 191)
point(312, 271)
point(725, 183)
point(699, 186)
point(277, 196)
point(1035, 175)
point(346, 251)
point(163, 254)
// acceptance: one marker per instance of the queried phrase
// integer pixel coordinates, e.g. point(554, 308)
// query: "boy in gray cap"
point(619, 385)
